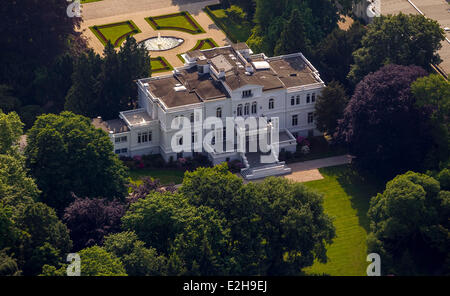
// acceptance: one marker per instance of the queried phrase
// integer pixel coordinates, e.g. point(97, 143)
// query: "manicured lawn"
point(346, 199)
point(116, 33)
point(182, 21)
point(165, 176)
point(237, 31)
point(201, 45)
point(160, 64)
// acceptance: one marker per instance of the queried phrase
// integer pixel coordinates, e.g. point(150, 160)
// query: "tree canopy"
point(382, 125)
point(104, 86)
point(89, 220)
point(397, 39)
point(330, 107)
point(410, 226)
point(66, 154)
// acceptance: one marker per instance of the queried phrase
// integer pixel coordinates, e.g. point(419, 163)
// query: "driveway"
point(309, 170)
point(106, 8)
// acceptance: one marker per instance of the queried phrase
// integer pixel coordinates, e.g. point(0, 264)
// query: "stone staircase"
point(256, 170)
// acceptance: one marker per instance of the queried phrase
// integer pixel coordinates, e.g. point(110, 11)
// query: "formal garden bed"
point(154, 166)
point(115, 32)
point(201, 45)
point(312, 148)
point(181, 21)
point(232, 21)
point(160, 64)
point(88, 1)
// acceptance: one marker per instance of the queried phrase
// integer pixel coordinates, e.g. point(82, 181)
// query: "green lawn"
point(160, 64)
point(88, 1)
point(237, 31)
point(165, 176)
point(116, 33)
point(182, 21)
point(346, 199)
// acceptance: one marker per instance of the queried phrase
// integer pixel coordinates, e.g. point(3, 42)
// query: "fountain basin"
point(162, 43)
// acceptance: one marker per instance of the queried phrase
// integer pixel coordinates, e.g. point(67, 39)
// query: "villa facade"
point(221, 82)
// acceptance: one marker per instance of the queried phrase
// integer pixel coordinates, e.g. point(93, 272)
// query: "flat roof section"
point(163, 88)
point(137, 117)
point(293, 71)
point(116, 126)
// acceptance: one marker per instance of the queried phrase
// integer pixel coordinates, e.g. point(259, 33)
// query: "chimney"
point(248, 68)
point(100, 119)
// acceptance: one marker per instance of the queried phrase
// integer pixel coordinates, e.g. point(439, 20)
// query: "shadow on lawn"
point(360, 186)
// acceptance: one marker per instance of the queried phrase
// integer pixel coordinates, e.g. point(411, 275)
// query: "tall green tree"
point(333, 56)
point(83, 96)
point(397, 39)
point(285, 230)
point(330, 107)
point(137, 259)
point(96, 261)
point(293, 37)
point(433, 93)
point(10, 131)
point(410, 226)
point(66, 154)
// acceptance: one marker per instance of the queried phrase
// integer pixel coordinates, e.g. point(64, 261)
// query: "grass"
point(88, 1)
point(236, 31)
point(181, 21)
point(165, 176)
point(346, 199)
point(116, 32)
point(202, 44)
point(160, 64)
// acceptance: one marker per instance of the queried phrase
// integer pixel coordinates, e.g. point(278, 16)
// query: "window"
point(194, 138)
point(219, 112)
point(310, 117)
point(224, 133)
point(308, 98)
point(313, 98)
point(192, 117)
point(254, 107)
point(271, 103)
point(294, 120)
point(292, 101)
point(298, 100)
point(239, 110)
point(144, 137)
point(124, 150)
point(247, 93)
point(121, 139)
point(247, 109)
point(117, 151)
point(180, 141)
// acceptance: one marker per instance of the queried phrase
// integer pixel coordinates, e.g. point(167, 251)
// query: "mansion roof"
point(213, 73)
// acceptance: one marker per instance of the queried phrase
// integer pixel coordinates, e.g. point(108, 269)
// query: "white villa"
point(227, 81)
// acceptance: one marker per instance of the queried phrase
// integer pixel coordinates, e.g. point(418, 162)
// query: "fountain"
point(162, 43)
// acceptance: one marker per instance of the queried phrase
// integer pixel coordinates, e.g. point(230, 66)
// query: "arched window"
point(219, 112)
point(271, 103)
point(254, 107)
point(239, 110)
point(247, 109)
